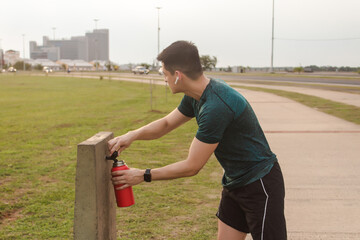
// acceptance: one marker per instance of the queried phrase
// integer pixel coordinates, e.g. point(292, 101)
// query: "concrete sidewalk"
point(342, 97)
point(319, 156)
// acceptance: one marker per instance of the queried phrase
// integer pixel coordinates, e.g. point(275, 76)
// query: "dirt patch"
point(47, 179)
point(5, 180)
point(10, 216)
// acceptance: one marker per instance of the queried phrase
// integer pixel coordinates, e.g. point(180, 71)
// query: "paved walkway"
point(342, 97)
point(319, 156)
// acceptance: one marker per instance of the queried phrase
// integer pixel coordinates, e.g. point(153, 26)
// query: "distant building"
point(93, 46)
point(11, 57)
point(2, 62)
point(98, 48)
point(75, 65)
point(43, 52)
point(238, 69)
point(44, 63)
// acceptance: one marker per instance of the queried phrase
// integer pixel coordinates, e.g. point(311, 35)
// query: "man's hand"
point(120, 143)
point(127, 178)
point(153, 130)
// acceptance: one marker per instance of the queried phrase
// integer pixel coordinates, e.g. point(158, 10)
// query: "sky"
point(237, 32)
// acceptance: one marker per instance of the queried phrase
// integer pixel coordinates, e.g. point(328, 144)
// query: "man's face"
point(170, 79)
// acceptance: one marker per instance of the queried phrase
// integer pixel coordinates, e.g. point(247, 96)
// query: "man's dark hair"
point(182, 56)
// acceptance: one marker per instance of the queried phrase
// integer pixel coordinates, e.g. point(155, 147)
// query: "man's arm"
point(151, 131)
point(199, 154)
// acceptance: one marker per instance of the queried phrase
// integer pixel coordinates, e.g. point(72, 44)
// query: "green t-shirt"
point(224, 116)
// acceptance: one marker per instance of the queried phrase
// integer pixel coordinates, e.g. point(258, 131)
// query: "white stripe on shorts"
point(267, 198)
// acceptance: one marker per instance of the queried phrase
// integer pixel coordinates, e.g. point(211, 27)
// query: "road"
point(332, 79)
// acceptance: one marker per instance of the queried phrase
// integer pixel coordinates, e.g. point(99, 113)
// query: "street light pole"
point(158, 8)
point(96, 50)
point(272, 41)
point(96, 20)
point(157, 62)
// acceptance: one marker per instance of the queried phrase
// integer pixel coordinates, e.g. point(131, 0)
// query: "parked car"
point(140, 70)
point(11, 69)
point(47, 69)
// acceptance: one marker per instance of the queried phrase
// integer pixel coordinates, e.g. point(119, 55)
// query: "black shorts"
point(257, 208)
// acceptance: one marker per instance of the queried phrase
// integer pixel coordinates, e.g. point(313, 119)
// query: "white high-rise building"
point(93, 46)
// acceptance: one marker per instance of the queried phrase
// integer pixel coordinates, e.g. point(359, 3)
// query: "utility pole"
point(272, 41)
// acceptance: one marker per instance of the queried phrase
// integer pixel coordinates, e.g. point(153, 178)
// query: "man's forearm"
point(175, 170)
point(199, 153)
point(135, 176)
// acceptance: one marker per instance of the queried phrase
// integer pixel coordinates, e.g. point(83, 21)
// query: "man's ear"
point(178, 74)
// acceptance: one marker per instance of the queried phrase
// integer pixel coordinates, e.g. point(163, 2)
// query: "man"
point(253, 188)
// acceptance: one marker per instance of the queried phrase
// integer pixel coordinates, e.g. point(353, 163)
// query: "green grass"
point(42, 119)
point(287, 74)
point(340, 110)
point(348, 89)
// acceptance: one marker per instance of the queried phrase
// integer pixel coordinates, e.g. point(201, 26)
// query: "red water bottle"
point(124, 197)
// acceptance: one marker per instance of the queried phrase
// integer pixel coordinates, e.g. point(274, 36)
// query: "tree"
point(20, 65)
point(109, 66)
point(298, 69)
point(147, 66)
point(207, 62)
point(96, 65)
point(38, 67)
point(314, 68)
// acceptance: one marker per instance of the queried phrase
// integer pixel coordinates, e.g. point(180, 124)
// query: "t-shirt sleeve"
point(213, 122)
point(186, 107)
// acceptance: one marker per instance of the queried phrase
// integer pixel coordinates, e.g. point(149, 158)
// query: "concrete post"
point(95, 205)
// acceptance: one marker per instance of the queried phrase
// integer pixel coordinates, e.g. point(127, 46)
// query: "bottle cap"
point(117, 163)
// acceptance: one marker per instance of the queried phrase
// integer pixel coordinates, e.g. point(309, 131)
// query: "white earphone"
point(176, 80)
